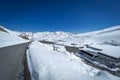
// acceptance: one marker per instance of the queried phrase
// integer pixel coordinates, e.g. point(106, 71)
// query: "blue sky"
point(59, 15)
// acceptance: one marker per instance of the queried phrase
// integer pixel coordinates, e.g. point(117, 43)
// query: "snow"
point(108, 37)
point(72, 40)
point(47, 64)
point(107, 30)
point(10, 38)
point(107, 49)
point(108, 40)
point(51, 36)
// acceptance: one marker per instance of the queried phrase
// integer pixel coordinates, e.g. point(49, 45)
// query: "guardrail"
point(91, 60)
point(70, 49)
point(89, 56)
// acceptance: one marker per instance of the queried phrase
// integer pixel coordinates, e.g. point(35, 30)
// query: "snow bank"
point(46, 64)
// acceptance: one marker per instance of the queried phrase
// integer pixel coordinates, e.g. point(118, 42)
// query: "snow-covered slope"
point(47, 64)
point(8, 37)
point(107, 36)
point(51, 36)
point(108, 40)
point(102, 39)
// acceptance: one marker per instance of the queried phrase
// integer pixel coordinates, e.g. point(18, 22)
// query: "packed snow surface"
point(47, 64)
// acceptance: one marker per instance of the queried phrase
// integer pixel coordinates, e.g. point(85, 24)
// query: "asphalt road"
point(12, 61)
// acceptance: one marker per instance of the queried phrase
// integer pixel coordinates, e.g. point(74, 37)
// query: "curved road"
point(12, 61)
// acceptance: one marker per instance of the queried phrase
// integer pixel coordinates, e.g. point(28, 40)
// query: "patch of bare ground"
point(1, 29)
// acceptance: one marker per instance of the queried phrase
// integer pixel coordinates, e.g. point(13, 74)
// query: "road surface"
point(12, 61)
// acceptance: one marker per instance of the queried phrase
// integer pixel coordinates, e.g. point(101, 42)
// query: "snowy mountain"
point(104, 39)
point(8, 37)
point(109, 36)
point(47, 64)
point(51, 36)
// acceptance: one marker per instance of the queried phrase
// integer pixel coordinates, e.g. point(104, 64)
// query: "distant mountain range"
point(109, 36)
